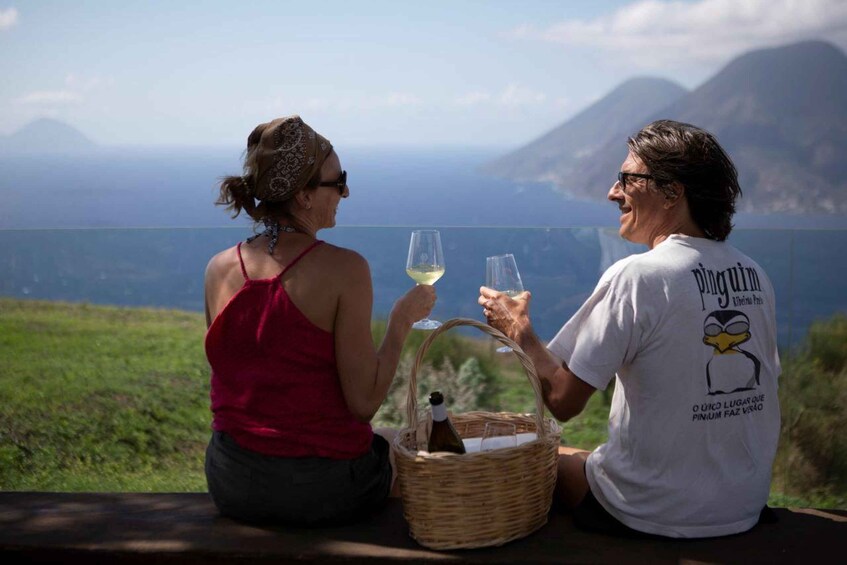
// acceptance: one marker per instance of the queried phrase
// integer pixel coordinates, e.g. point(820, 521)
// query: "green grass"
point(100, 398)
point(96, 398)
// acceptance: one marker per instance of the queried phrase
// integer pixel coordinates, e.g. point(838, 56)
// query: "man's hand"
point(509, 315)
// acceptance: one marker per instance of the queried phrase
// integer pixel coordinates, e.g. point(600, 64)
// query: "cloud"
point(317, 104)
point(562, 102)
point(342, 104)
point(75, 91)
point(50, 98)
point(402, 99)
point(8, 18)
point(515, 95)
point(473, 98)
point(512, 95)
point(86, 84)
point(663, 33)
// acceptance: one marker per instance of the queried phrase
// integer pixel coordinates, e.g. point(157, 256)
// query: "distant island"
point(46, 135)
point(780, 112)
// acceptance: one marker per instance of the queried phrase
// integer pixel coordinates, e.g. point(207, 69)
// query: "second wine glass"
point(498, 435)
point(425, 264)
point(501, 273)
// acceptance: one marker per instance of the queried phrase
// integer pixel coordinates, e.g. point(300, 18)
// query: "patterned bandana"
point(289, 154)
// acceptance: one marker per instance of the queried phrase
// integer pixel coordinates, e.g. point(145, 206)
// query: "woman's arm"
point(366, 372)
point(222, 279)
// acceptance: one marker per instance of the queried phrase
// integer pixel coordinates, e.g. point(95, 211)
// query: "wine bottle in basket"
point(443, 436)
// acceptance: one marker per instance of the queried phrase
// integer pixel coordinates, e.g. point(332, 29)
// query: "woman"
point(296, 378)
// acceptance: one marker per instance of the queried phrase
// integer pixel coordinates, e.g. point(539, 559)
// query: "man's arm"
point(565, 394)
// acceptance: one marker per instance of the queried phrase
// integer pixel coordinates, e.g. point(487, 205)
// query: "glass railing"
point(164, 267)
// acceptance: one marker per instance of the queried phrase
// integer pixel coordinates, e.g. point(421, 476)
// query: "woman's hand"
point(509, 315)
point(415, 304)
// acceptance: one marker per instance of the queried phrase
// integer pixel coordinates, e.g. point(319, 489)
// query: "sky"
point(476, 73)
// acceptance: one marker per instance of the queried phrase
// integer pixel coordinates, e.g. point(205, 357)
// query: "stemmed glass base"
point(426, 324)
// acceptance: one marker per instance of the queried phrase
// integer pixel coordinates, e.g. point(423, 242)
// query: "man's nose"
point(616, 192)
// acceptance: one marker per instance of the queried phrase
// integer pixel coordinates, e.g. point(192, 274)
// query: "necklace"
point(272, 229)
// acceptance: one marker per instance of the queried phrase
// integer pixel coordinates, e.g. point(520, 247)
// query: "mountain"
point(554, 156)
point(781, 114)
point(46, 135)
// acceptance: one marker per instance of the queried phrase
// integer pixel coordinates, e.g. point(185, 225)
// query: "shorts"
point(313, 491)
point(590, 515)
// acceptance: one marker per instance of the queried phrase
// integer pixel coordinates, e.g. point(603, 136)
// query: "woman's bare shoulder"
point(345, 257)
point(222, 264)
point(341, 258)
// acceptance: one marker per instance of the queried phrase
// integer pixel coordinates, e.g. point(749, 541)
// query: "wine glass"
point(501, 273)
point(498, 435)
point(425, 265)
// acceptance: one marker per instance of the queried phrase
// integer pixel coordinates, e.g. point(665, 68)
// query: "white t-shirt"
point(689, 330)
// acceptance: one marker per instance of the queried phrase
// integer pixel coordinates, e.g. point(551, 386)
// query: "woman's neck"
point(276, 226)
point(301, 224)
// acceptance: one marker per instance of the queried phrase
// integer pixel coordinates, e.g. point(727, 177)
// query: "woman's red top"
point(275, 384)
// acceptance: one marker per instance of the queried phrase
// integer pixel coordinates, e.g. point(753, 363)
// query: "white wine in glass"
point(501, 273)
point(425, 265)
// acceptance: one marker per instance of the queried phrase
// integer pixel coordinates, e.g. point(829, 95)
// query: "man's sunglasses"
point(340, 184)
point(622, 176)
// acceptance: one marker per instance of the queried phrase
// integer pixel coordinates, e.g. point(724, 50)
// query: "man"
point(688, 331)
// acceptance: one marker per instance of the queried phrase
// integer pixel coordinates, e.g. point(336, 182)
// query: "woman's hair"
point(237, 193)
point(269, 142)
point(679, 152)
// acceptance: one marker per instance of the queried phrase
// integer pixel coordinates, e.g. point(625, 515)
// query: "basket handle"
point(526, 362)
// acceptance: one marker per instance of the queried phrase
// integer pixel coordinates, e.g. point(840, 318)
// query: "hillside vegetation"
point(96, 398)
point(811, 463)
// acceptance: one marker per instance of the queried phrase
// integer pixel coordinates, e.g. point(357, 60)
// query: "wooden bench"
point(186, 528)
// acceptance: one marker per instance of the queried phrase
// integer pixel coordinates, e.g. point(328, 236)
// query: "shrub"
point(464, 390)
point(812, 458)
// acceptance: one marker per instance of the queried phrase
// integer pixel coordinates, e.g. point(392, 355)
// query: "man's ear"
point(674, 192)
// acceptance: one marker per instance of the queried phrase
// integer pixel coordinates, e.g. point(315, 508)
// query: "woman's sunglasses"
point(340, 184)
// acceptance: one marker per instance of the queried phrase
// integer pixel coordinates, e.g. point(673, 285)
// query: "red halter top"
point(275, 384)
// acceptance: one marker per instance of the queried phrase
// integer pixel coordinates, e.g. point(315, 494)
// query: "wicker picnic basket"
point(477, 499)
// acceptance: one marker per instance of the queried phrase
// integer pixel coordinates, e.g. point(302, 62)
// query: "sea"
point(136, 226)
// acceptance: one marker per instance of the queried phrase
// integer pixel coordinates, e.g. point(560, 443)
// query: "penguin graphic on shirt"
point(731, 369)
